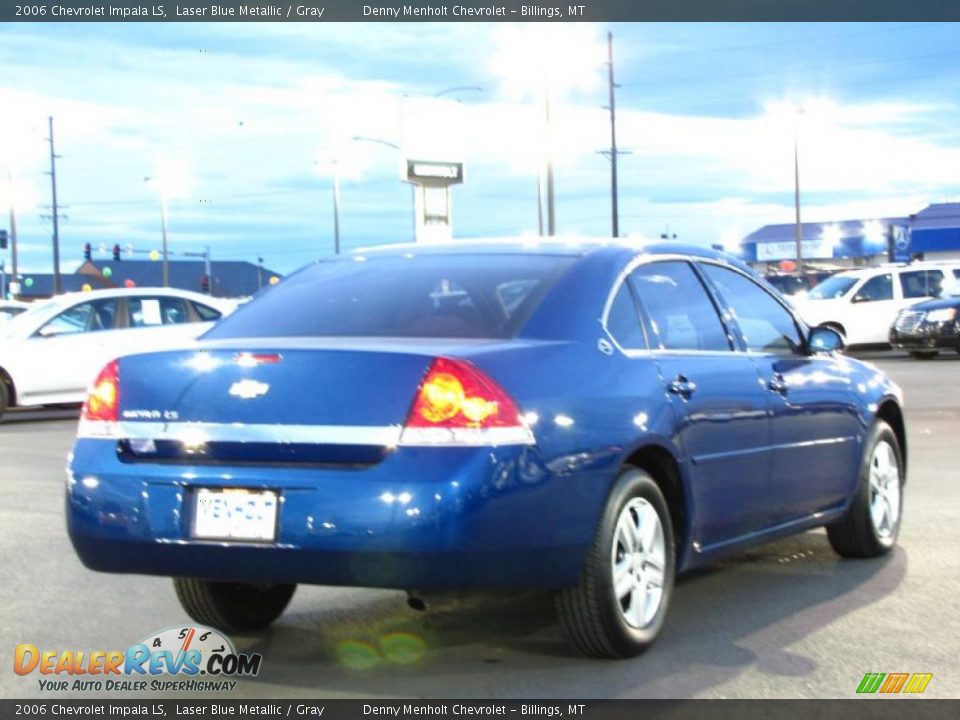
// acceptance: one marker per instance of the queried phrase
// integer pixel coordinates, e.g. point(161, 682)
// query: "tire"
point(594, 618)
point(923, 354)
point(232, 606)
point(4, 397)
point(860, 533)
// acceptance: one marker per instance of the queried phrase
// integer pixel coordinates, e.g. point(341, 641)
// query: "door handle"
point(681, 386)
point(778, 384)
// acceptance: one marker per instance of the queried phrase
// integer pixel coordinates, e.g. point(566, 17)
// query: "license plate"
point(234, 514)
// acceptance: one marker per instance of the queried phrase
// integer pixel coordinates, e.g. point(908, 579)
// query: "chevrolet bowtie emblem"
point(248, 389)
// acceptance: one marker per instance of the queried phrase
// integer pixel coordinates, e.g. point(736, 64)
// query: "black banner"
point(475, 10)
point(865, 709)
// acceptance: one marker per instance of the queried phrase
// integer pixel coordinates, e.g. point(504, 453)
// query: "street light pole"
point(387, 143)
point(551, 215)
point(796, 190)
point(164, 214)
point(614, 211)
point(336, 207)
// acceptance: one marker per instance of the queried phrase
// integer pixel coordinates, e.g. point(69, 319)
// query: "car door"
point(874, 307)
point(815, 423)
point(722, 412)
point(67, 351)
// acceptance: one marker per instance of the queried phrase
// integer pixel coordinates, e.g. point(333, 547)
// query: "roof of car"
point(572, 245)
point(137, 291)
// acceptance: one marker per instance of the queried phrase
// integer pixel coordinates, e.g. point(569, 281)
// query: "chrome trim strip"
point(197, 433)
point(194, 433)
point(426, 437)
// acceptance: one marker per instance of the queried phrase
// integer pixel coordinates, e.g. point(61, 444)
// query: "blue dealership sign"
point(900, 243)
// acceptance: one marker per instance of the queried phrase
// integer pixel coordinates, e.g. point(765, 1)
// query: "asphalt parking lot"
point(785, 620)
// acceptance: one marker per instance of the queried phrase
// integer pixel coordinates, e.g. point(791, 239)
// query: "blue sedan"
point(589, 418)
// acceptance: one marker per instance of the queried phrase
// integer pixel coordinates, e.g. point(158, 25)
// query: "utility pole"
point(56, 219)
point(796, 192)
point(614, 212)
point(13, 231)
point(336, 207)
point(551, 214)
point(540, 202)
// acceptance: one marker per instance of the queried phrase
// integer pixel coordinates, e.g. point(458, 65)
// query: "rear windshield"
point(436, 296)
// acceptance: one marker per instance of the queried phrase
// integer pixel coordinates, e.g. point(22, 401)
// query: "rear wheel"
point(232, 606)
point(923, 354)
point(619, 605)
point(871, 524)
point(4, 396)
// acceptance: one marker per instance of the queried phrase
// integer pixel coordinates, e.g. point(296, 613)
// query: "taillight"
point(457, 404)
point(102, 403)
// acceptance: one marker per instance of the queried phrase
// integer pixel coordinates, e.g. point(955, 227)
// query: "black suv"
point(927, 327)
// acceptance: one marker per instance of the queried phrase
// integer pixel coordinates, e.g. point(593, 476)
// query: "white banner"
point(787, 250)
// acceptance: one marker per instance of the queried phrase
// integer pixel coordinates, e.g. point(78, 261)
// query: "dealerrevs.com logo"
point(199, 658)
point(894, 683)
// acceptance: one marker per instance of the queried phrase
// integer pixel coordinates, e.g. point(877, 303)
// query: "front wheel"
point(871, 524)
point(232, 606)
point(619, 605)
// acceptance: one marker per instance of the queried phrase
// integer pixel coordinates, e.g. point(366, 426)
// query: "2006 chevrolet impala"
point(591, 418)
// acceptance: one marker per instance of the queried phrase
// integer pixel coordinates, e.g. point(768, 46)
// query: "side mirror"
point(860, 299)
point(824, 339)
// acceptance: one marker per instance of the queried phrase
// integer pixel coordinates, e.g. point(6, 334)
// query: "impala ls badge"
point(248, 389)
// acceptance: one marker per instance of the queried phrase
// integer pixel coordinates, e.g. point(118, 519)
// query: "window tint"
point(456, 295)
point(677, 307)
point(85, 317)
point(765, 324)
point(876, 288)
point(152, 311)
point(921, 283)
point(623, 322)
point(206, 312)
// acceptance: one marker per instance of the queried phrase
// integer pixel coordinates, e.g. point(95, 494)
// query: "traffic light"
point(205, 283)
point(116, 252)
point(87, 251)
point(3, 239)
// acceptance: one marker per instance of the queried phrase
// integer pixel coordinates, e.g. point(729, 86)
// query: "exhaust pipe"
point(415, 602)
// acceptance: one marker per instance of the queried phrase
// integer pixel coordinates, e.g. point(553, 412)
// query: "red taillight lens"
point(454, 394)
point(103, 397)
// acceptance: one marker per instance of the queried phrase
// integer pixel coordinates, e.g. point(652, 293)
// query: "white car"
point(862, 304)
point(50, 353)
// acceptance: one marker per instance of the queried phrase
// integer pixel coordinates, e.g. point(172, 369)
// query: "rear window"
point(436, 296)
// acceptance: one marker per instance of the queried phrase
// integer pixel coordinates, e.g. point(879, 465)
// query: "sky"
point(245, 123)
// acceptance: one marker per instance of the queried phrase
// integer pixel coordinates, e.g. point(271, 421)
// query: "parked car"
point(11, 308)
point(796, 285)
point(590, 419)
point(50, 353)
point(926, 328)
point(862, 304)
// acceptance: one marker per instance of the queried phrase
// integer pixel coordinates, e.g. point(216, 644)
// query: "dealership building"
point(931, 234)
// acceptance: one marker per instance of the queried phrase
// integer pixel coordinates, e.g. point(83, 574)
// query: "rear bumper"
point(424, 518)
point(927, 336)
